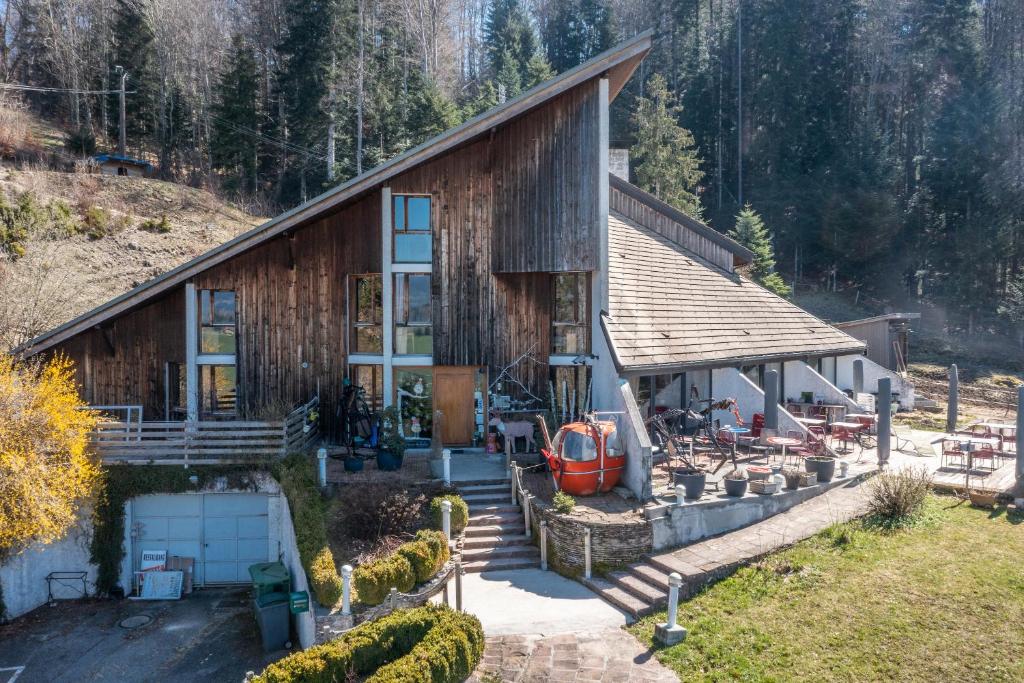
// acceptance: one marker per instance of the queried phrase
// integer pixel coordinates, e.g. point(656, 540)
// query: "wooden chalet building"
point(502, 240)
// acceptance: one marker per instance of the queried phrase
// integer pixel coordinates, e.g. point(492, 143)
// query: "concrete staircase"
point(495, 537)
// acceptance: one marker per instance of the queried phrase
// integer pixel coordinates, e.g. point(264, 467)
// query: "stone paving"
point(611, 656)
point(704, 561)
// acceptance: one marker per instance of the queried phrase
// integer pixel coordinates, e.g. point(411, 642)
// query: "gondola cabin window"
point(411, 224)
point(570, 319)
point(366, 313)
point(575, 446)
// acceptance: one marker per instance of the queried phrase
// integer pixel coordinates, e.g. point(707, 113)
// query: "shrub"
point(563, 502)
point(438, 545)
point(297, 475)
point(97, 222)
point(63, 221)
point(374, 580)
point(161, 226)
point(896, 498)
point(18, 222)
point(372, 511)
point(47, 470)
point(432, 643)
point(460, 512)
point(421, 558)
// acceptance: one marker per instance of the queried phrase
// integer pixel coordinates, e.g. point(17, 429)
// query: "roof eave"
point(663, 368)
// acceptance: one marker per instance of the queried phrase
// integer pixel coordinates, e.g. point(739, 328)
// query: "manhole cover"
point(138, 621)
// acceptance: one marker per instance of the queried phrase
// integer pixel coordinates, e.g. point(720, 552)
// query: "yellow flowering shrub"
point(46, 468)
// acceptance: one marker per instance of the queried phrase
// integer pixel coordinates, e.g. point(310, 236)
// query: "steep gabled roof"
point(617, 64)
point(672, 310)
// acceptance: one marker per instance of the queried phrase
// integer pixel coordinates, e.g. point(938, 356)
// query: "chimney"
point(618, 163)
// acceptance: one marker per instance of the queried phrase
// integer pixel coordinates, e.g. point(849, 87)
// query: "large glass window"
point(217, 321)
point(411, 223)
point(414, 397)
point(371, 379)
point(412, 314)
point(570, 319)
point(366, 314)
point(217, 391)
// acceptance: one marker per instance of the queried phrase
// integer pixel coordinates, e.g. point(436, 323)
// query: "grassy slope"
point(941, 602)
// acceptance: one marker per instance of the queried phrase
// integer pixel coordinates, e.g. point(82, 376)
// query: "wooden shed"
point(885, 336)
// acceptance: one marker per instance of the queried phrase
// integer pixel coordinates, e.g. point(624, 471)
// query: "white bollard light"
point(321, 457)
point(346, 589)
point(446, 457)
point(586, 552)
point(544, 545)
point(670, 632)
point(446, 518)
point(680, 494)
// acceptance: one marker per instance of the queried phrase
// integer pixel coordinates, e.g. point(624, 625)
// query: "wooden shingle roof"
point(671, 309)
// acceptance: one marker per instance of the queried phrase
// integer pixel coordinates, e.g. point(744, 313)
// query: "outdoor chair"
point(984, 454)
point(816, 440)
point(951, 451)
point(843, 436)
point(798, 452)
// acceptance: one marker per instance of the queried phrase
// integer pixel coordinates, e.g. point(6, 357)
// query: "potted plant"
point(691, 477)
point(352, 462)
point(758, 472)
point(392, 446)
point(310, 421)
point(822, 465)
point(735, 484)
point(792, 478)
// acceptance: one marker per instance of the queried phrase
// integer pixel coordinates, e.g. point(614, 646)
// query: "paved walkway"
point(705, 561)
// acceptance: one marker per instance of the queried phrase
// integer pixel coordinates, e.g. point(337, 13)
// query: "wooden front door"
point(453, 396)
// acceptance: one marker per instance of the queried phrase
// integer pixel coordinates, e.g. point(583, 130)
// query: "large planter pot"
point(353, 464)
point(388, 461)
point(693, 483)
point(823, 466)
point(735, 487)
point(758, 473)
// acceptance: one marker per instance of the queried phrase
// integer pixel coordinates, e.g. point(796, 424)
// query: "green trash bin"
point(270, 577)
point(273, 617)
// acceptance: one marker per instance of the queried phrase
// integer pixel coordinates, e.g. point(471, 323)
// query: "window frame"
point(355, 324)
point(581, 313)
point(211, 294)
point(402, 305)
point(404, 198)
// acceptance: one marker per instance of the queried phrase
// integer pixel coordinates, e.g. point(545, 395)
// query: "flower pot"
point(388, 461)
point(693, 482)
point(353, 464)
point(808, 478)
point(764, 487)
point(792, 481)
point(823, 466)
point(757, 473)
point(735, 487)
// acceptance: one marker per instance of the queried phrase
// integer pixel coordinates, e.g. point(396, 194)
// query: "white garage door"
point(224, 532)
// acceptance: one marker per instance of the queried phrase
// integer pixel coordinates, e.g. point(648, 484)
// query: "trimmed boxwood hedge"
point(460, 512)
point(438, 545)
point(413, 562)
point(432, 644)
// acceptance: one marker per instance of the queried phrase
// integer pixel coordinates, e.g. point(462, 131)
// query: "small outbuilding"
point(885, 336)
point(115, 164)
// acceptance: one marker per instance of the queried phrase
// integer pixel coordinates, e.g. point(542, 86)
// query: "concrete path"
point(541, 626)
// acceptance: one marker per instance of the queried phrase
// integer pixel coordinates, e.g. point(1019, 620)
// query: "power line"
point(36, 88)
point(274, 141)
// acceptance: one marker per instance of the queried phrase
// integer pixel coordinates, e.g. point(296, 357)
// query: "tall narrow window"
point(217, 321)
point(570, 319)
point(412, 314)
point(366, 314)
point(217, 391)
point(411, 222)
point(371, 379)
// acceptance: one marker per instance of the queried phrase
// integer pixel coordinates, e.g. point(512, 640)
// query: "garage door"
point(224, 532)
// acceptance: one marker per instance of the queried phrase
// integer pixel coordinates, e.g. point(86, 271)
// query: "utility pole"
point(122, 137)
point(739, 102)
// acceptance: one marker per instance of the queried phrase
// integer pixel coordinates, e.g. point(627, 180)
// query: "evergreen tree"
point(751, 232)
point(431, 113)
point(512, 47)
point(234, 113)
point(578, 30)
point(133, 50)
point(668, 165)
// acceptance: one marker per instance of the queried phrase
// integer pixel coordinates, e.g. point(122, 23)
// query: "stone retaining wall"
point(612, 544)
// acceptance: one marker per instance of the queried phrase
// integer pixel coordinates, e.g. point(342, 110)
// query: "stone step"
point(500, 552)
point(638, 588)
point(488, 498)
point(651, 575)
point(492, 509)
point(495, 530)
point(475, 483)
point(502, 564)
point(496, 519)
point(488, 489)
point(494, 541)
point(627, 602)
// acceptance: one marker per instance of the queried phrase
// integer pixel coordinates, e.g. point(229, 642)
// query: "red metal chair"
point(816, 440)
point(985, 453)
point(798, 452)
point(843, 435)
point(951, 451)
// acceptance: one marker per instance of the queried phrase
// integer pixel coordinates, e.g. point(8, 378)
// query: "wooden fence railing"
point(212, 442)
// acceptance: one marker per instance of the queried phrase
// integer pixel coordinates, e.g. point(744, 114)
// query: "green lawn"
point(943, 601)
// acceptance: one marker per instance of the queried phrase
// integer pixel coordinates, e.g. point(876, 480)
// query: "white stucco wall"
point(872, 372)
point(23, 577)
point(731, 383)
point(802, 377)
point(305, 623)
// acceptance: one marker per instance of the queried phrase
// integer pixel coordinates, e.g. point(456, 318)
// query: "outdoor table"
point(811, 421)
point(736, 432)
point(1001, 430)
point(785, 442)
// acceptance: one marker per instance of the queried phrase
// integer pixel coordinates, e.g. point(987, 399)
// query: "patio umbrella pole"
point(954, 399)
point(884, 419)
point(1020, 431)
point(771, 400)
point(858, 378)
